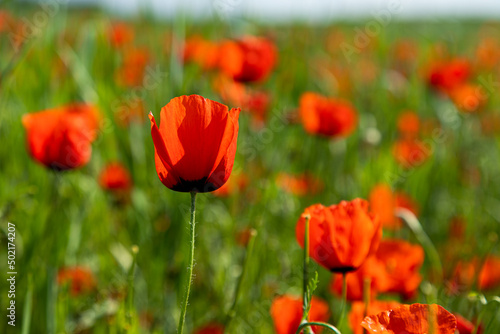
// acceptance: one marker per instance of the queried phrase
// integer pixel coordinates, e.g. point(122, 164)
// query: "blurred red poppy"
point(487, 53)
point(236, 183)
point(487, 273)
point(408, 124)
point(120, 34)
point(384, 202)
point(411, 153)
point(61, 138)
point(412, 319)
point(115, 177)
point(468, 97)
point(195, 144)
point(210, 329)
point(342, 236)
point(80, 279)
point(446, 75)
point(131, 73)
point(299, 185)
point(357, 313)
point(286, 312)
point(327, 116)
point(371, 269)
point(202, 52)
point(393, 268)
point(248, 59)
point(464, 326)
point(489, 276)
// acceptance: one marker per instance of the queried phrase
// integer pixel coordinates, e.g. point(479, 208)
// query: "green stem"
point(322, 324)
point(231, 313)
point(305, 275)
point(192, 224)
point(423, 239)
point(340, 323)
point(28, 307)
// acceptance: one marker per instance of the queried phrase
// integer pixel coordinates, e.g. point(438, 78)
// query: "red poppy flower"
point(341, 236)
point(210, 329)
point(384, 202)
point(446, 75)
point(134, 65)
point(80, 279)
point(327, 116)
point(371, 269)
point(61, 138)
point(115, 177)
point(393, 268)
point(195, 144)
point(464, 326)
point(468, 97)
point(248, 59)
point(286, 312)
point(357, 313)
point(489, 276)
point(410, 153)
point(409, 124)
point(299, 185)
point(487, 53)
point(120, 34)
point(412, 319)
point(200, 51)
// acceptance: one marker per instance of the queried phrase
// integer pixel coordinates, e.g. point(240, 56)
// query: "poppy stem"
point(340, 323)
point(192, 224)
point(305, 276)
point(367, 282)
point(423, 239)
point(322, 324)
point(230, 315)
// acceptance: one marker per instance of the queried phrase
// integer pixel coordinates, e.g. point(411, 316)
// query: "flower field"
point(235, 176)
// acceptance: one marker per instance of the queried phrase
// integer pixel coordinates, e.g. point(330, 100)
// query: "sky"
point(312, 9)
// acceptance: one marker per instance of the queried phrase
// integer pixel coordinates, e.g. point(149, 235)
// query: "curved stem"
point(322, 324)
point(192, 224)
point(423, 239)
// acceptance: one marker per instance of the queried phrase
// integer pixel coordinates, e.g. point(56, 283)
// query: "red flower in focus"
point(299, 185)
point(120, 34)
point(210, 329)
point(195, 144)
point(200, 51)
point(408, 124)
point(327, 116)
point(446, 75)
point(80, 279)
point(357, 313)
point(393, 268)
point(61, 138)
point(115, 177)
point(412, 319)
point(410, 153)
point(341, 236)
point(248, 59)
point(286, 312)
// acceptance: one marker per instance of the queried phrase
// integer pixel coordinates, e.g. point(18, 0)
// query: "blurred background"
point(101, 247)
